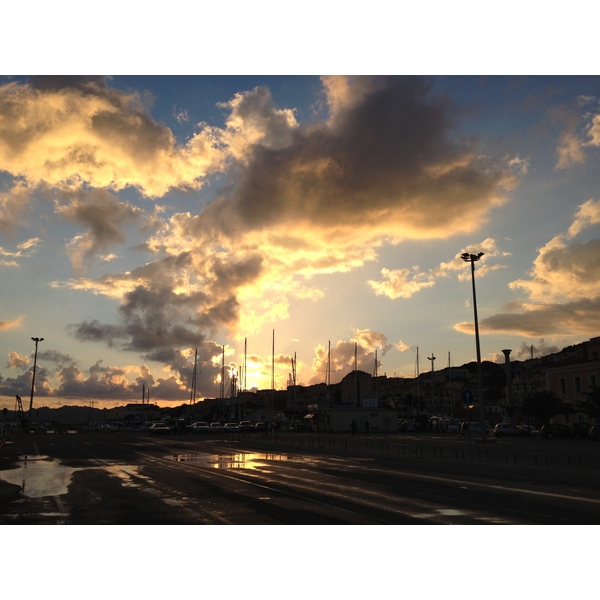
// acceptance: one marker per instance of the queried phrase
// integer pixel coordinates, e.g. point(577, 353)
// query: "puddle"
point(233, 461)
point(39, 476)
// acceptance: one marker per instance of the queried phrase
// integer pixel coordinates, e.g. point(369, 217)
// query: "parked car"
point(470, 428)
point(216, 426)
point(261, 426)
point(246, 426)
point(552, 430)
point(199, 427)
point(231, 427)
point(452, 426)
point(159, 429)
point(580, 430)
point(529, 430)
point(594, 432)
point(506, 430)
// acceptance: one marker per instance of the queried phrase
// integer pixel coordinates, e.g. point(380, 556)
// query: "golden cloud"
point(102, 138)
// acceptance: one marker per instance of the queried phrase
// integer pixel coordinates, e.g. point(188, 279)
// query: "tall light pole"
point(432, 359)
point(509, 389)
point(473, 258)
point(37, 341)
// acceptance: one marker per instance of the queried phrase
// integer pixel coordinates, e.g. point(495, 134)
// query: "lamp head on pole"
point(471, 257)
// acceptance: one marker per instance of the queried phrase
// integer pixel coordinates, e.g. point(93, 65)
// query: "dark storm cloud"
point(572, 318)
point(95, 331)
point(152, 318)
point(55, 356)
point(223, 313)
point(59, 82)
point(229, 275)
point(21, 385)
point(386, 161)
point(16, 386)
point(105, 217)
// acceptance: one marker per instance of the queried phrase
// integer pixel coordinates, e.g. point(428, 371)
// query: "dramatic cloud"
point(567, 272)
point(298, 201)
point(69, 132)
point(563, 291)
point(377, 170)
point(322, 198)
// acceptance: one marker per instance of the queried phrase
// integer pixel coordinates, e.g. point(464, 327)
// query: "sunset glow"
point(142, 218)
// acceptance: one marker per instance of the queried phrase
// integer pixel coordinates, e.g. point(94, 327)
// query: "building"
point(572, 374)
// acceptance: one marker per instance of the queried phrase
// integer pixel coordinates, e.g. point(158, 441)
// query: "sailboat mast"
point(329, 364)
point(223, 374)
point(273, 362)
point(450, 386)
point(356, 373)
point(193, 385)
point(375, 373)
point(245, 361)
point(418, 383)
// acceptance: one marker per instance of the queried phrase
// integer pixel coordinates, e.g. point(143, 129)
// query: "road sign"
point(468, 398)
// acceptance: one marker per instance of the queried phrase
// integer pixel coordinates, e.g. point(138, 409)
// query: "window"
point(577, 382)
point(593, 380)
point(563, 385)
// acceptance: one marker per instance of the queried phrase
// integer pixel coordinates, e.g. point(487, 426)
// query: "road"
point(135, 478)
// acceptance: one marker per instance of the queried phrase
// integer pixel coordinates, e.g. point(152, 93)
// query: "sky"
point(145, 217)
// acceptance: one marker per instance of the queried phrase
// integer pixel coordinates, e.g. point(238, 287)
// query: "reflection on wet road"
point(106, 479)
point(234, 461)
point(39, 476)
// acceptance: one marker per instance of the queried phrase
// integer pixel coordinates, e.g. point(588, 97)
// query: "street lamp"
point(473, 258)
point(37, 341)
point(432, 359)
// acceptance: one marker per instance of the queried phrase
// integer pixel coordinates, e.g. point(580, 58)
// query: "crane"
point(21, 414)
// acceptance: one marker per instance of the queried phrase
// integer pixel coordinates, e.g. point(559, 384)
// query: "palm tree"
point(543, 405)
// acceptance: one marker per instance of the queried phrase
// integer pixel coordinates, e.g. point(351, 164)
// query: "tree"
point(543, 405)
point(593, 401)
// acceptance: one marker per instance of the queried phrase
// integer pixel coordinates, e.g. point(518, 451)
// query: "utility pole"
point(432, 359)
point(37, 341)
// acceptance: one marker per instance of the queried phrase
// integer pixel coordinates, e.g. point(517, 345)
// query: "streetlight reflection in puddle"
point(232, 461)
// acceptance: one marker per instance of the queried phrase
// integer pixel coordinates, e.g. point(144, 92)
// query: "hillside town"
point(559, 388)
